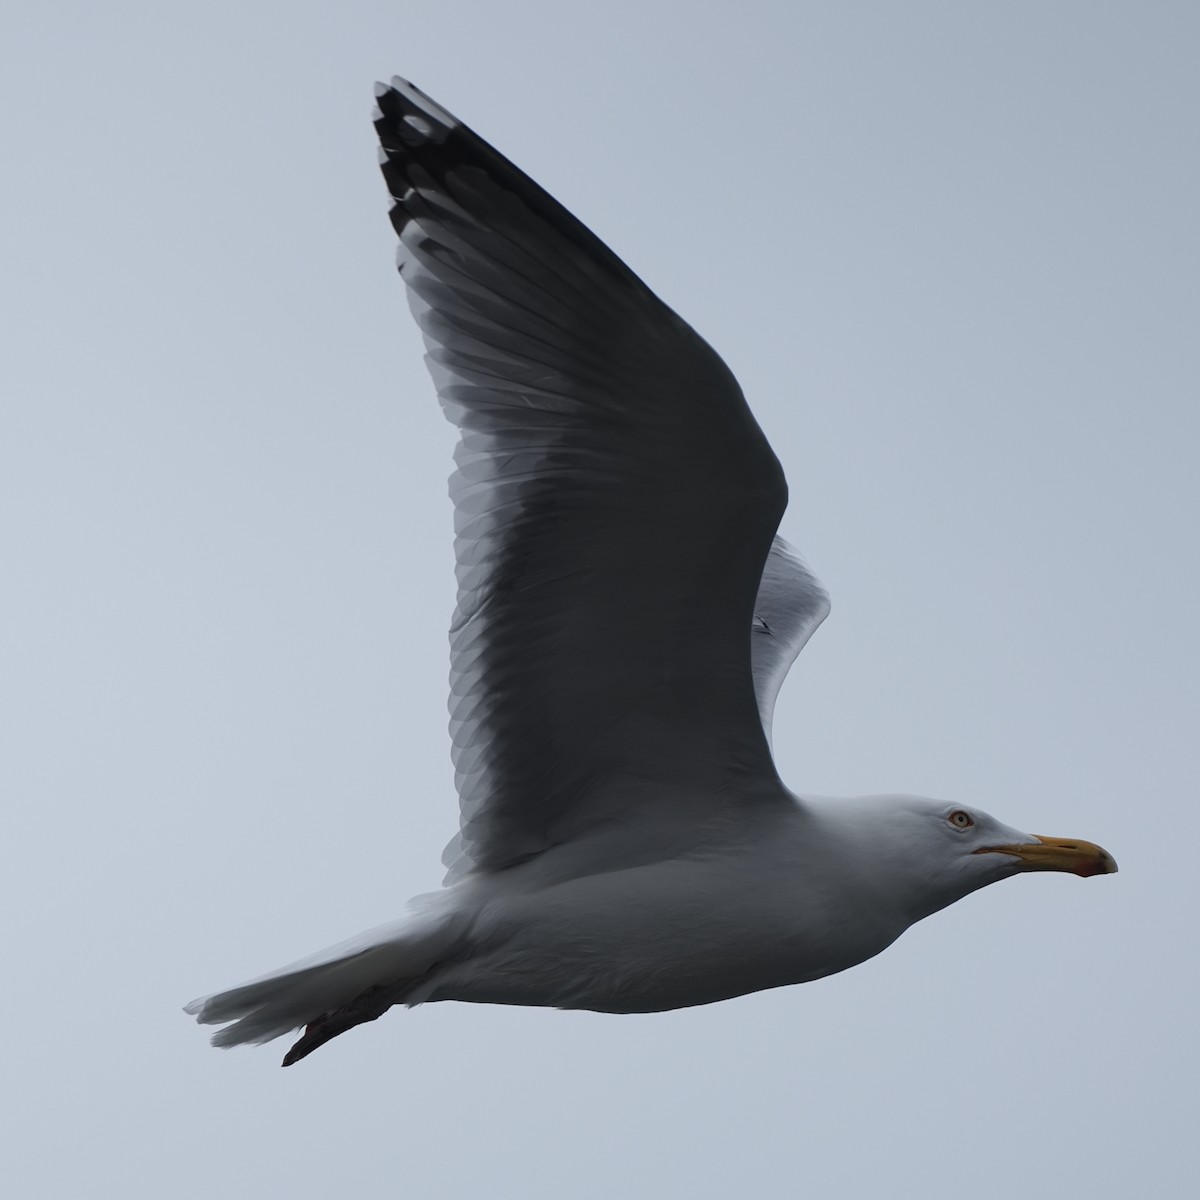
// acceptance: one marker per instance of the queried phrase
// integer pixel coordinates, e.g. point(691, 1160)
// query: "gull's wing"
point(614, 504)
point(791, 604)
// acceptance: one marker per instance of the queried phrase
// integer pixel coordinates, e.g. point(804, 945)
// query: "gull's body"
point(734, 912)
point(626, 616)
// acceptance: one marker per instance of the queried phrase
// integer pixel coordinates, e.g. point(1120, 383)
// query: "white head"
point(933, 853)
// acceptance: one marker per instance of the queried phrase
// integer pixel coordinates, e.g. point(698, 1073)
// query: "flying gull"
point(626, 616)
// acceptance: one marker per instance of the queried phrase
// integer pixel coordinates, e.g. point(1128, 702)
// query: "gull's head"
point(973, 849)
point(939, 852)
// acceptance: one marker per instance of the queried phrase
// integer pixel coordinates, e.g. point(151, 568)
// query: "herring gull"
point(626, 615)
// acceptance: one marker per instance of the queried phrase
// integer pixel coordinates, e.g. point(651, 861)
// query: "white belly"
point(659, 936)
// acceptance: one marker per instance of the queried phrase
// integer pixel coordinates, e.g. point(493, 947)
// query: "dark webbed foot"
point(367, 1007)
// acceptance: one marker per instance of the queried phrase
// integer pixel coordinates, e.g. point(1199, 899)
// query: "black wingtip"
point(403, 101)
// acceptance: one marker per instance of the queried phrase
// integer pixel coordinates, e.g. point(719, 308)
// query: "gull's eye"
point(960, 819)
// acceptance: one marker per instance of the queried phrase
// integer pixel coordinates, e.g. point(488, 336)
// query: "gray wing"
point(614, 504)
point(791, 604)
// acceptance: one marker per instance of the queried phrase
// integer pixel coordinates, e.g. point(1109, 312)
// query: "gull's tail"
point(335, 990)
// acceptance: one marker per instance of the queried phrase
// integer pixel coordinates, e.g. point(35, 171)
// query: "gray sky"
point(951, 252)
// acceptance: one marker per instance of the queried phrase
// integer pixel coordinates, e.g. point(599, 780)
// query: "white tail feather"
point(394, 957)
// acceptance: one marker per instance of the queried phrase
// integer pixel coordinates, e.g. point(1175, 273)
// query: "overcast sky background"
point(951, 252)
